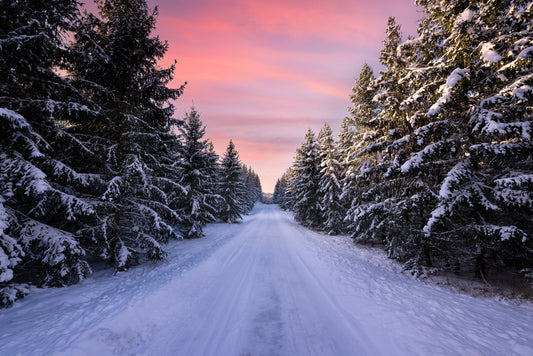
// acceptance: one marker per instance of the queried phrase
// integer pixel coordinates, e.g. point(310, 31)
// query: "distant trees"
point(281, 196)
point(437, 156)
point(91, 166)
point(254, 192)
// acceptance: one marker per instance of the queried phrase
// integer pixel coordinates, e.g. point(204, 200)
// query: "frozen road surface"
point(263, 287)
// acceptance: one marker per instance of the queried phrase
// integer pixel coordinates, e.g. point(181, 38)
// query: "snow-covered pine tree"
point(215, 172)
point(330, 182)
point(476, 136)
point(198, 205)
point(232, 186)
point(117, 68)
point(347, 141)
point(278, 192)
point(303, 186)
point(281, 196)
point(45, 198)
point(254, 192)
point(257, 188)
point(381, 212)
point(467, 108)
point(356, 135)
point(358, 128)
point(248, 184)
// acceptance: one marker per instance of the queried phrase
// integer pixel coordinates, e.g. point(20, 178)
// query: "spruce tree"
point(304, 183)
point(278, 192)
point(454, 186)
point(122, 76)
point(381, 210)
point(215, 172)
point(198, 205)
point(45, 199)
point(330, 183)
point(232, 186)
point(254, 192)
point(249, 186)
point(358, 132)
point(479, 134)
point(281, 195)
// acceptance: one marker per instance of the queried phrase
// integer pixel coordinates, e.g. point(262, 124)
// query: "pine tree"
point(381, 210)
point(257, 188)
point(479, 134)
point(232, 186)
point(304, 183)
point(330, 183)
point(357, 134)
point(254, 192)
point(215, 172)
point(45, 200)
point(454, 185)
point(198, 205)
point(278, 192)
point(281, 195)
point(249, 187)
point(121, 75)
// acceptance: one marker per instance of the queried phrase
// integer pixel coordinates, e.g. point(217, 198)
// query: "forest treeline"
point(435, 160)
point(93, 166)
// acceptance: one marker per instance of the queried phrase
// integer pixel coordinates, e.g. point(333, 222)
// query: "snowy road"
point(263, 287)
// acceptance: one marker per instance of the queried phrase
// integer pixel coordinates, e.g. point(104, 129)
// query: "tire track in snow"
point(264, 287)
point(339, 333)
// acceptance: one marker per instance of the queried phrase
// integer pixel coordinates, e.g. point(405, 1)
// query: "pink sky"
point(263, 72)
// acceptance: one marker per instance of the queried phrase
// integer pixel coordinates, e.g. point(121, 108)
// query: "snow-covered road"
point(263, 287)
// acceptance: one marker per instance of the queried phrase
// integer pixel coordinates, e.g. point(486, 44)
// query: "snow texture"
point(17, 121)
point(6, 245)
point(516, 181)
point(453, 79)
point(525, 53)
point(418, 158)
point(466, 15)
point(263, 287)
point(519, 89)
point(489, 54)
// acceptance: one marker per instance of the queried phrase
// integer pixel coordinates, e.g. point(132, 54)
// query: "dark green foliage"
point(117, 68)
point(232, 186)
point(303, 187)
point(254, 193)
point(330, 183)
point(281, 195)
point(45, 198)
point(199, 177)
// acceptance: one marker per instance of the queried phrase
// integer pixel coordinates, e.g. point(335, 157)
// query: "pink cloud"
point(262, 72)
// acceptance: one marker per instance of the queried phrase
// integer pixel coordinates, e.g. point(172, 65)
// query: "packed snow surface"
point(263, 287)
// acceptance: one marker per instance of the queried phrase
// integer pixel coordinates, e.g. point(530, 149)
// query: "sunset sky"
point(263, 72)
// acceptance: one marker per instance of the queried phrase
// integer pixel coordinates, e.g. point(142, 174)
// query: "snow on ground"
point(263, 287)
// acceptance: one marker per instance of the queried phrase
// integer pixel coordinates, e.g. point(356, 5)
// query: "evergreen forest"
point(93, 165)
point(434, 162)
